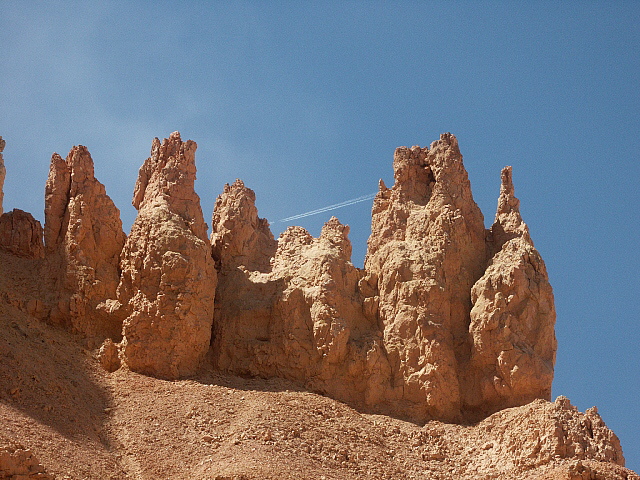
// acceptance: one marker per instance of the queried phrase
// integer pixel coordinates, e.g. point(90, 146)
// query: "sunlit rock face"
point(21, 234)
point(292, 308)
point(426, 250)
point(168, 280)
point(447, 321)
point(512, 319)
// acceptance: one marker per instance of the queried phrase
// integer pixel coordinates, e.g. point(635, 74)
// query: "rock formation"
point(425, 252)
point(3, 172)
point(19, 463)
point(293, 311)
point(83, 240)
point(448, 322)
point(513, 317)
point(168, 280)
point(239, 236)
point(21, 234)
point(401, 334)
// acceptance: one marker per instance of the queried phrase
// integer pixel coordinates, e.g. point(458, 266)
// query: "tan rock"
point(294, 311)
point(19, 463)
point(3, 173)
point(305, 313)
point(515, 441)
point(168, 278)
point(21, 234)
point(513, 318)
point(425, 251)
point(240, 237)
point(83, 239)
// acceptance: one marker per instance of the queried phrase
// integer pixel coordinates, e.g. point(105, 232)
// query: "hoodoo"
point(168, 280)
point(449, 325)
point(83, 240)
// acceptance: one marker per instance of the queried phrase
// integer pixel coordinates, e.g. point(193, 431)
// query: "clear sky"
point(306, 101)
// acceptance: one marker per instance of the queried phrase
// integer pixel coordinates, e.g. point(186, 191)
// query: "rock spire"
point(83, 240)
point(426, 250)
point(513, 317)
point(168, 278)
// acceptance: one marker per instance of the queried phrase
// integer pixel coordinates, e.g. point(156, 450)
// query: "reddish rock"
point(83, 239)
point(240, 237)
point(109, 356)
point(20, 463)
point(21, 234)
point(168, 278)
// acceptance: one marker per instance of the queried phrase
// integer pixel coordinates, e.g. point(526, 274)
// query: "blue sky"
point(306, 102)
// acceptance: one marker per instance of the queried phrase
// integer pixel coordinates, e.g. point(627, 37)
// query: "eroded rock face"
point(425, 252)
point(20, 463)
point(3, 173)
point(449, 321)
point(83, 239)
point(168, 278)
point(21, 234)
point(512, 319)
point(240, 237)
point(514, 441)
point(294, 311)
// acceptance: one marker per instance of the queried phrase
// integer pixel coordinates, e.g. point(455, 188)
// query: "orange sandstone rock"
point(21, 234)
point(425, 252)
point(293, 311)
point(513, 317)
point(168, 278)
point(83, 240)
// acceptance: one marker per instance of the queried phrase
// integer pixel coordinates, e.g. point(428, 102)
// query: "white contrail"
point(346, 203)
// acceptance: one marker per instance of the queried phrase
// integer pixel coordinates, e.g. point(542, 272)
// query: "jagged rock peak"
point(3, 173)
point(508, 222)
point(337, 235)
point(168, 176)
point(83, 238)
point(168, 280)
point(239, 236)
point(513, 316)
point(426, 250)
point(21, 234)
point(56, 200)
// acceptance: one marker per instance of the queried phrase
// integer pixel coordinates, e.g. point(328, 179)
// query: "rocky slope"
point(434, 361)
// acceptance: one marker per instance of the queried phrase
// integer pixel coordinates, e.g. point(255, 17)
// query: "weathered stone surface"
point(109, 356)
point(513, 318)
point(425, 252)
point(294, 311)
point(168, 278)
point(405, 326)
point(240, 237)
point(19, 463)
point(21, 234)
point(83, 239)
point(514, 441)
point(3, 173)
